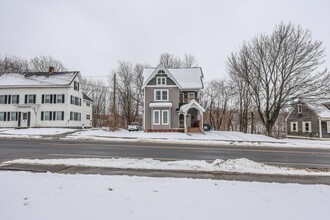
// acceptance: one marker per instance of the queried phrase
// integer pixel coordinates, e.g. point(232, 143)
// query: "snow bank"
point(80, 197)
point(236, 166)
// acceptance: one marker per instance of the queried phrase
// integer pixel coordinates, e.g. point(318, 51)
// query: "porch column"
point(320, 128)
point(185, 123)
point(169, 117)
point(201, 122)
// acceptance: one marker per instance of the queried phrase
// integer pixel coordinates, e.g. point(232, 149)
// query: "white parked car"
point(134, 126)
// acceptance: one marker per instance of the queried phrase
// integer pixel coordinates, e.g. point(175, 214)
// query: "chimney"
point(51, 69)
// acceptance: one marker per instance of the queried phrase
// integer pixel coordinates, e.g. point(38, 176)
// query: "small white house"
point(44, 99)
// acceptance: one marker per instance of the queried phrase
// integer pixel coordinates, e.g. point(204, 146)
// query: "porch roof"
point(192, 104)
point(160, 104)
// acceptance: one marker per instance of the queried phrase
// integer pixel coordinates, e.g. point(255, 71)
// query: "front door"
point(24, 120)
point(188, 120)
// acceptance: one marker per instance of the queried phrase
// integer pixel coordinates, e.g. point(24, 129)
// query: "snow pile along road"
point(235, 166)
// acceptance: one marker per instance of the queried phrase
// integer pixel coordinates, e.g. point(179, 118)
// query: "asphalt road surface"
point(50, 148)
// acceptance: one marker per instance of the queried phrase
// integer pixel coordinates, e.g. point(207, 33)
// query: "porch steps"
point(194, 130)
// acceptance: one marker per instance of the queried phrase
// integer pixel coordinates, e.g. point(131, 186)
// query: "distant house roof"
point(320, 109)
point(87, 98)
point(187, 78)
point(37, 79)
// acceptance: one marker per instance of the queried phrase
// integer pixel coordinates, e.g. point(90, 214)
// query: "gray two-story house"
point(172, 99)
point(307, 120)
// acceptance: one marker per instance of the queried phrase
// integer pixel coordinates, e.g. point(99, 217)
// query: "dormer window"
point(299, 108)
point(161, 80)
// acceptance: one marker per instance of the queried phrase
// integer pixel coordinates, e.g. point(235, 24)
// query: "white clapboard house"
point(44, 99)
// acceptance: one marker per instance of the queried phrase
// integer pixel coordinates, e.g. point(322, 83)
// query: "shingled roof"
point(37, 79)
point(186, 78)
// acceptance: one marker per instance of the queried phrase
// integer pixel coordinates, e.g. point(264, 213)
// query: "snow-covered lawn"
point(78, 197)
point(35, 131)
point(235, 166)
point(229, 138)
point(213, 135)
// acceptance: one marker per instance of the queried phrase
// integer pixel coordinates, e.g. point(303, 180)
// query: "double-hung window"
point(3, 99)
point(2, 116)
point(15, 99)
point(59, 115)
point(161, 95)
point(294, 126)
point(47, 99)
point(161, 80)
point(76, 86)
point(47, 116)
point(31, 99)
point(156, 117)
point(299, 106)
point(165, 117)
point(307, 126)
point(328, 127)
point(191, 95)
point(13, 116)
point(59, 98)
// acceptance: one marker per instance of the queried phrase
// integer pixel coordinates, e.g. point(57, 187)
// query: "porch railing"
point(186, 100)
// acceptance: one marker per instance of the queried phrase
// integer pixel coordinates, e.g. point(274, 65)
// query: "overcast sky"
point(92, 36)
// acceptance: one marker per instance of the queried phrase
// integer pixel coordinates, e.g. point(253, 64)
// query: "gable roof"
point(37, 79)
point(192, 104)
point(319, 109)
point(185, 78)
point(87, 98)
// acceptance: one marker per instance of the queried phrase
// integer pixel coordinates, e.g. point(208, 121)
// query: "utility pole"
point(251, 110)
point(114, 116)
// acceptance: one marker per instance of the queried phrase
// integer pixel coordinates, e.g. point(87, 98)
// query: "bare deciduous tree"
point(99, 93)
point(13, 65)
point(42, 64)
point(280, 68)
point(241, 89)
point(218, 94)
point(170, 61)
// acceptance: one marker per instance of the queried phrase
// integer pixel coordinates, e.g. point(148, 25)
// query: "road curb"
point(230, 176)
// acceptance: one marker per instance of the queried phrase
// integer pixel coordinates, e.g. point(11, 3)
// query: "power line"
point(98, 76)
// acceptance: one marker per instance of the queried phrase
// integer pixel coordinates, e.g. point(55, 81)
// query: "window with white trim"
point(30, 99)
point(47, 99)
point(75, 116)
point(76, 86)
point(161, 95)
point(15, 99)
point(156, 117)
point(165, 117)
point(59, 98)
point(328, 126)
point(307, 126)
point(3, 99)
point(2, 116)
point(161, 80)
point(46, 116)
point(13, 116)
point(59, 116)
point(294, 126)
point(191, 95)
point(299, 106)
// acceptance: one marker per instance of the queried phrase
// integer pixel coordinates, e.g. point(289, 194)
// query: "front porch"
point(191, 117)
